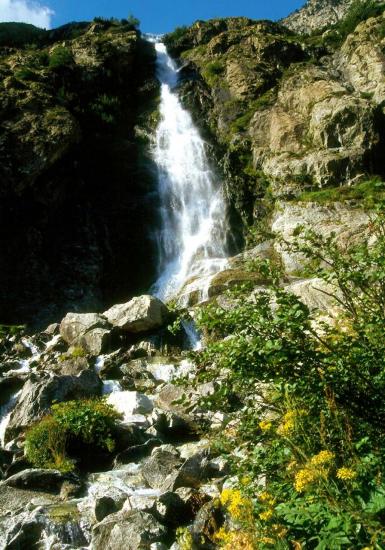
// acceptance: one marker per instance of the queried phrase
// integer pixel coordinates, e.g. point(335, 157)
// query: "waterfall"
point(192, 237)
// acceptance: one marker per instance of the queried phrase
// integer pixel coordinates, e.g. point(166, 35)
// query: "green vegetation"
point(106, 108)
point(11, 330)
point(265, 100)
point(213, 71)
point(359, 11)
point(365, 194)
point(89, 422)
point(25, 73)
point(17, 35)
point(60, 57)
point(307, 439)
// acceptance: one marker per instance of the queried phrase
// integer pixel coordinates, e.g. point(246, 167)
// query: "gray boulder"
point(127, 531)
point(37, 480)
point(90, 331)
point(141, 314)
point(40, 391)
point(160, 466)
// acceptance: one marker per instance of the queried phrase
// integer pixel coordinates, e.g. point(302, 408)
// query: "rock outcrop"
point(74, 170)
point(317, 14)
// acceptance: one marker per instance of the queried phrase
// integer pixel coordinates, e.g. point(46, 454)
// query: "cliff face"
point(289, 114)
point(74, 182)
point(317, 14)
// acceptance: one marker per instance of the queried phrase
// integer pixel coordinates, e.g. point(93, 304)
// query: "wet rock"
point(171, 509)
point(131, 530)
point(137, 452)
point(192, 473)
point(127, 437)
point(161, 464)
point(40, 391)
point(104, 506)
point(174, 425)
point(37, 480)
point(130, 403)
point(141, 314)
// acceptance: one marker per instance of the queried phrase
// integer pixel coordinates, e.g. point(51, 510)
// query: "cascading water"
point(192, 239)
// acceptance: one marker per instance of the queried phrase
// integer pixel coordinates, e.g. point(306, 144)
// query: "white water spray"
point(192, 239)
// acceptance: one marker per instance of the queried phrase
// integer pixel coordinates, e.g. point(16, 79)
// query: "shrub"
point(106, 108)
point(88, 422)
point(60, 57)
point(24, 73)
point(212, 72)
point(318, 438)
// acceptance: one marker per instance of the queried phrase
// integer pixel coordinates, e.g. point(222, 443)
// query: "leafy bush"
point(88, 422)
point(60, 57)
point(317, 434)
point(24, 73)
point(212, 71)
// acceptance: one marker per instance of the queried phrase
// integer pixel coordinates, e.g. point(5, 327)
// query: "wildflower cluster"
point(290, 422)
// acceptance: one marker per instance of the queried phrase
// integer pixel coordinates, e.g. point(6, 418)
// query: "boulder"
point(141, 314)
point(40, 391)
point(130, 403)
point(171, 509)
point(160, 466)
point(90, 331)
point(127, 531)
point(37, 480)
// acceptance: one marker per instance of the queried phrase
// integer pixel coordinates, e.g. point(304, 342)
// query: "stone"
point(75, 325)
point(161, 464)
point(141, 314)
point(37, 480)
point(316, 15)
point(136, 452)
point(104, 506)
point(192, 473)
point(40, 391)
point(127, 531)
point(349, 225)
point(170, 509)
point(130, 403)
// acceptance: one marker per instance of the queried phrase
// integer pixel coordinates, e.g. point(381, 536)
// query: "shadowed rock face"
point(74, 179)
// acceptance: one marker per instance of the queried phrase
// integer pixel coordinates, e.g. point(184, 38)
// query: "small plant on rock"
point(90, 422)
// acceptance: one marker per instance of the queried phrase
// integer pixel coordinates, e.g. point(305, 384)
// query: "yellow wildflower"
point(346, 474)
point(288, 423)
point(266, 497)
point(265, 425)
point(234, 540)
point(304, 478)
point(323, 457)
point(246, 480)
point(266, 515)
point(237, 505)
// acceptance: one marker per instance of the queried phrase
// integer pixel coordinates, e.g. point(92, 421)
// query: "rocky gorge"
point(122, 423)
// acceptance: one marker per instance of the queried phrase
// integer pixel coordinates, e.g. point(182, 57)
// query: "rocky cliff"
point(287, 114)
point(317, 14)
point(74, 177)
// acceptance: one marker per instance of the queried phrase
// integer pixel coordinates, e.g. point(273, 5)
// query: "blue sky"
point(156, 16)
